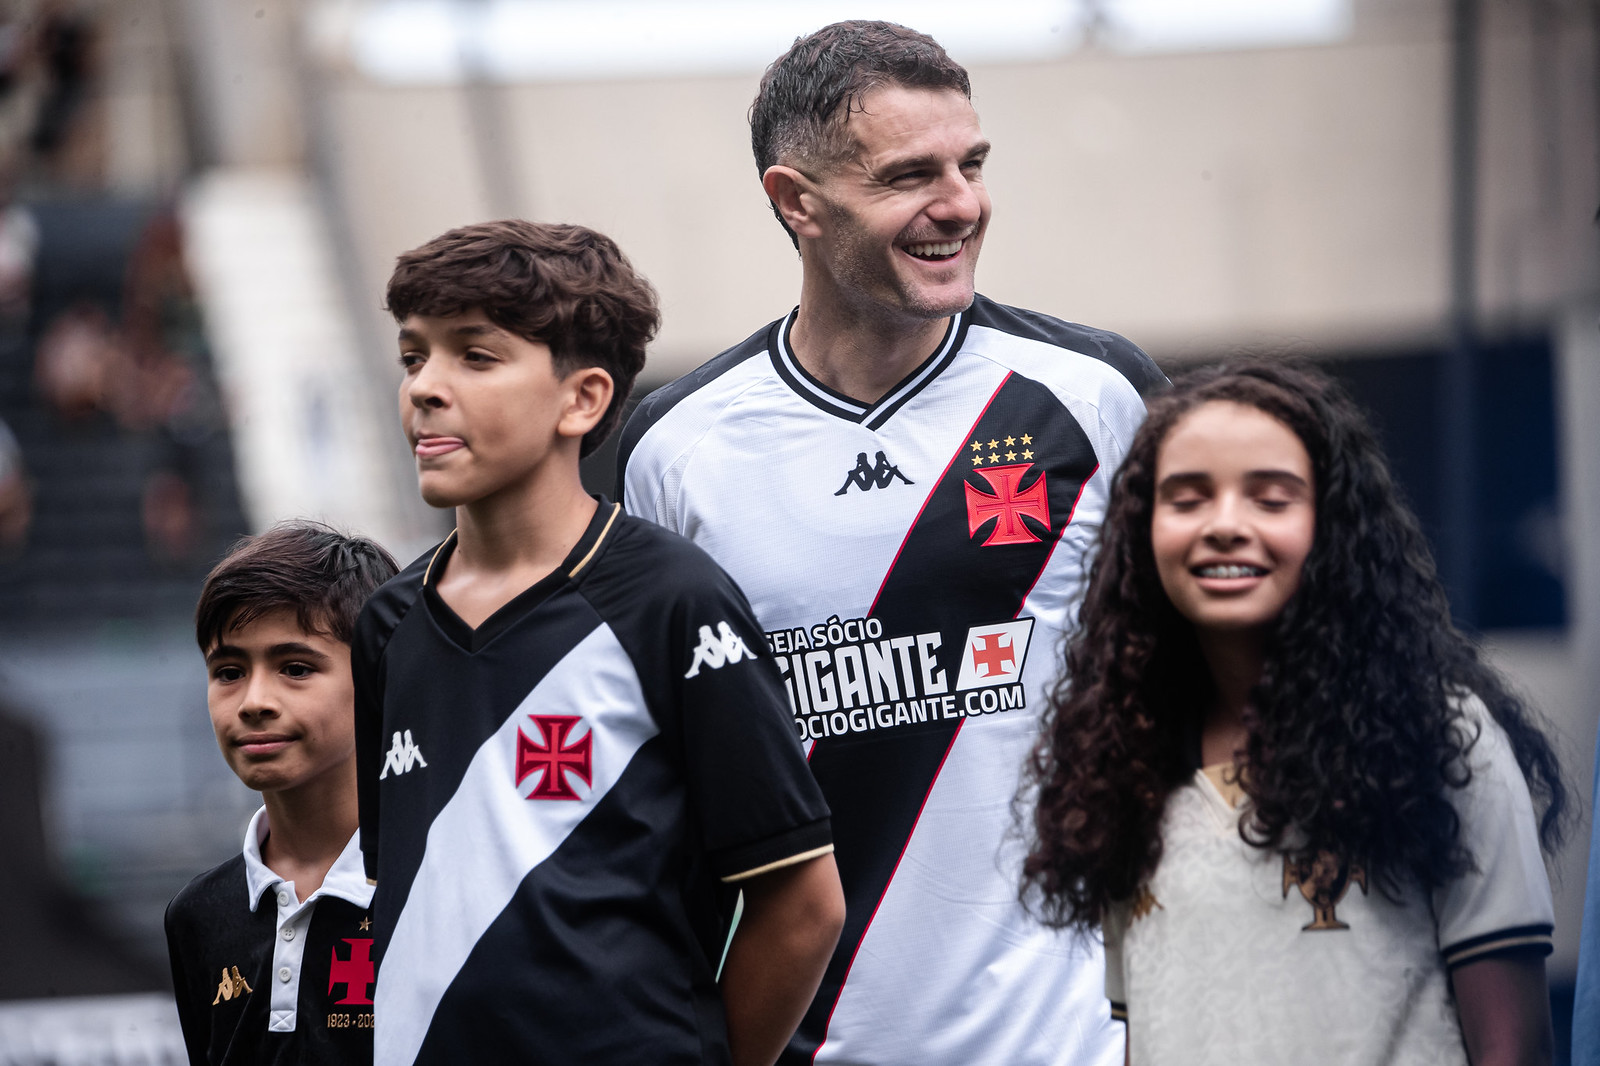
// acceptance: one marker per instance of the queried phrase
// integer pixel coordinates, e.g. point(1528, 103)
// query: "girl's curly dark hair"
point(1354, 726)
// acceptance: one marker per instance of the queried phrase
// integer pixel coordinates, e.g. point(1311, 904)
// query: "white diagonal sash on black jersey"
point(461, 887)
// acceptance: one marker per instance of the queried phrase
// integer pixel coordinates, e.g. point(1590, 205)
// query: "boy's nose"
point(258, 700)
point(426, 387)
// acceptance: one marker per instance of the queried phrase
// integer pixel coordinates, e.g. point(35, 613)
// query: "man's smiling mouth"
point(934, 251)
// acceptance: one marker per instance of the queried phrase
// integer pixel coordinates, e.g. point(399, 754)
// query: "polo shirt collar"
point(346, 878)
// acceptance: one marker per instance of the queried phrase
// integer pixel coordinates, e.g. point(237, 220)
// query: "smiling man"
point(907, 479)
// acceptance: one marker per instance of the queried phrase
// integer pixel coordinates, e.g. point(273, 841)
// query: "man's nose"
point(959, 201)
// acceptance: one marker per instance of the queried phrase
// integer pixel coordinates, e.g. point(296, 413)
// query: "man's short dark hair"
point(320, 574)
point(801, 111)
point(565, 286)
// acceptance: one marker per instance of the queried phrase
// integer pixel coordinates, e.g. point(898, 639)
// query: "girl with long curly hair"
point(1293, 797)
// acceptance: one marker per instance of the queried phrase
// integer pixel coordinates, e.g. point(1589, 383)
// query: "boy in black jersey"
point(572, 749)
point(271, 951)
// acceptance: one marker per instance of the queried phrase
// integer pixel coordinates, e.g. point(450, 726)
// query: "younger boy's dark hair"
point(566, 286)
point(320, 574)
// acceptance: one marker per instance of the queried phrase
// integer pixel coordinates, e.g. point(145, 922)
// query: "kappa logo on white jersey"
point(994, 654)
point(718, 649)
point(404, 756)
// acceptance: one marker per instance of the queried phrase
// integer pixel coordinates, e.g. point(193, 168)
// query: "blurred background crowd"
point(200, 201)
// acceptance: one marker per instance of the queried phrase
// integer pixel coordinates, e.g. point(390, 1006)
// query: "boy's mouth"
point(429, 446)
point(263, 743)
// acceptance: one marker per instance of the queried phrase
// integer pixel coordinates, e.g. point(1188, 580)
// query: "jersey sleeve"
point(756, 803)
point(1113, 928)
point(192, 1026)
point(374, 627)
point(1502, 905)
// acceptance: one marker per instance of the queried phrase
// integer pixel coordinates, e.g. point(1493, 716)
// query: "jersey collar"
point(346, 878)
point(577, 560)
point(836, 403)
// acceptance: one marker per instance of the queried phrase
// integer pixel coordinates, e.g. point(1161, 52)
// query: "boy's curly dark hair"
point(1355, 731)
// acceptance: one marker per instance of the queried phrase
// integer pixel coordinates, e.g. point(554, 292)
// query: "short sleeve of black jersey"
point(702, 661)
point(756, 801)
point(192, 1026)
point(374, 627)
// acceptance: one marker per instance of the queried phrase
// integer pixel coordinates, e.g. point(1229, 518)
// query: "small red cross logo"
point(356, 973)
point(554, 757)
point(1007, 504)
point(993, 656)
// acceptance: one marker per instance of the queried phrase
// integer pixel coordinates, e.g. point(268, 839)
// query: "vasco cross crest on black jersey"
point(867, 477)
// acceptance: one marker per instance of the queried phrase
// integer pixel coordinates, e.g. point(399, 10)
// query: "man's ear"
point(589, 394)
point(792, 195)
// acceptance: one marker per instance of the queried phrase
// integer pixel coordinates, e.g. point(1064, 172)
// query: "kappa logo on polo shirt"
point(233, 985)
point(717, 650)
point(404, 756)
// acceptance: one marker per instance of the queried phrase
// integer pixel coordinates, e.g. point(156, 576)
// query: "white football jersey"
point(914, 563)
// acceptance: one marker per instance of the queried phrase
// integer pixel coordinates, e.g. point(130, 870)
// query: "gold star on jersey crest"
point(1010, 453)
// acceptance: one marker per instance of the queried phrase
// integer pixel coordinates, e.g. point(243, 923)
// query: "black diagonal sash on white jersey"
point(942, 578)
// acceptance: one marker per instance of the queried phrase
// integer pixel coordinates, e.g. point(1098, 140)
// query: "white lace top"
point(1234, 956)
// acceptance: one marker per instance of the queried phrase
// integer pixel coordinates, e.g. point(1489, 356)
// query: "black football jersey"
point(557, 804)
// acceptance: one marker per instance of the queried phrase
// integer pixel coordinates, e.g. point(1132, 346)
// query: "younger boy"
point(271, 951)
point(572, 746)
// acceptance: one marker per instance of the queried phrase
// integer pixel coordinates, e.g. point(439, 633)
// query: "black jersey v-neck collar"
point(871, 415)
point(520, 605)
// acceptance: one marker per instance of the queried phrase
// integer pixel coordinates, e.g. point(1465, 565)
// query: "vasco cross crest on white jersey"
point(867, 477)
point(717, 649)
point(403, 757)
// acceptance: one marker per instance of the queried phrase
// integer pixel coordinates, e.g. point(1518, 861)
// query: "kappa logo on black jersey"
point(404, 756)
point(717, 649)
point(867, 477)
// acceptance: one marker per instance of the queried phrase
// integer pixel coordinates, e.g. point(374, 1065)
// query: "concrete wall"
point(1190, 201)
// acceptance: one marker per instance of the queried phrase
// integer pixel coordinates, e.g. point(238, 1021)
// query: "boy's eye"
point(473, 355)
point(409, 360)
point(226, 673)
point(298, 670)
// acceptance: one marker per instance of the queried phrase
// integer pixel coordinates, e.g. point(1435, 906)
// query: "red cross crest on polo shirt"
point(1008, 505)
point(553, 757)
point(357, 973)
